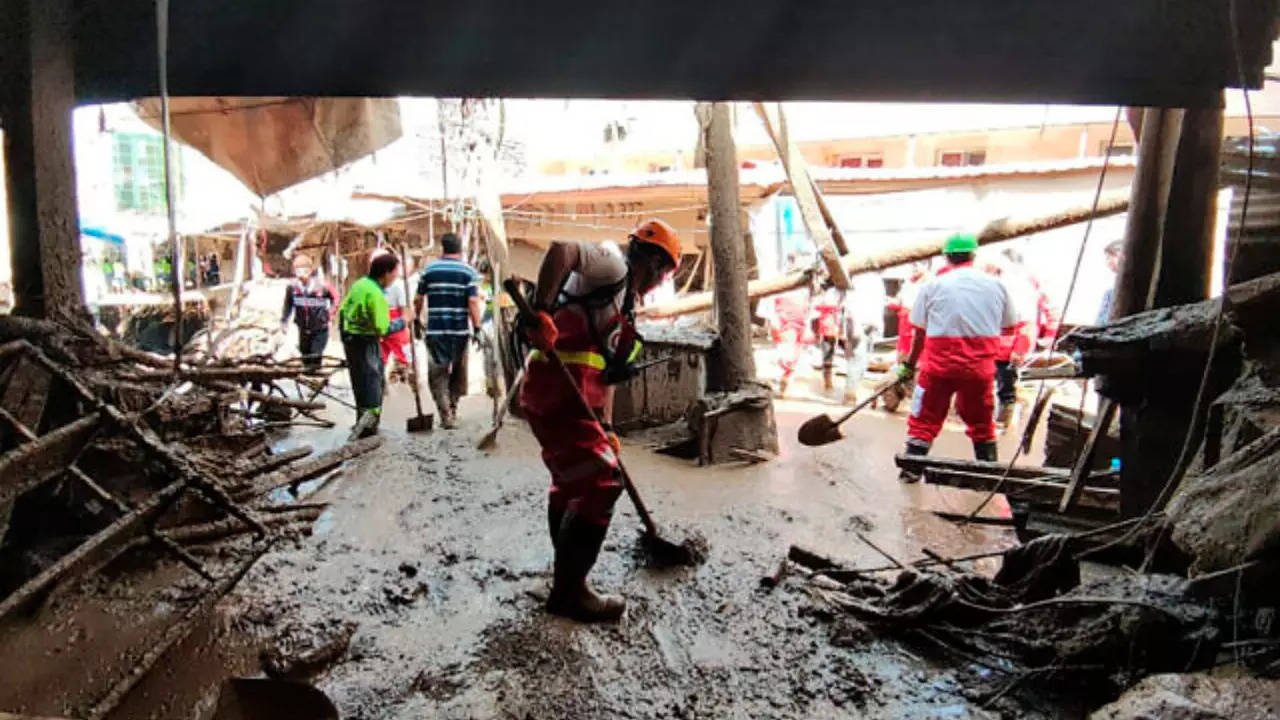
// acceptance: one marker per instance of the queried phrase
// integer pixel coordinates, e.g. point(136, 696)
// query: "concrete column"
point(38, 97)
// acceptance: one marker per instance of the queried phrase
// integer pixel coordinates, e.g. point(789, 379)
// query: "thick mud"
point(434, 562)
point(420, 593)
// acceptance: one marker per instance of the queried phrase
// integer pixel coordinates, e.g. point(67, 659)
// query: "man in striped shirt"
point(451, 289)
point(958, 319)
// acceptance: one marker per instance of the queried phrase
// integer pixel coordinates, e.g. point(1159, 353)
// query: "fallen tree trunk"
point(995, 232)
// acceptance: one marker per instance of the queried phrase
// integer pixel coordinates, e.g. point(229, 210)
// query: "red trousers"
point(931, 401)
point(396, 342)
point(584, 468)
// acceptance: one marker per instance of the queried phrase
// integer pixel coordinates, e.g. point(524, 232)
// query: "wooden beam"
point(32, 464)
point(93, 552)
point(1186, 248)
point(26, 393)
point(920, 463)
point(1149, 196)
point(37, 95)
point(1084, 463)
point(806, 191)
point(1039, 492)
point(736, 364)
point(995, 232)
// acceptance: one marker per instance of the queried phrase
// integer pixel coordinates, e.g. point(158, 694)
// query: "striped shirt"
point(448, 285)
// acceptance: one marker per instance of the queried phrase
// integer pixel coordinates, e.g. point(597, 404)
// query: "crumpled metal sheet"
point(271, 143)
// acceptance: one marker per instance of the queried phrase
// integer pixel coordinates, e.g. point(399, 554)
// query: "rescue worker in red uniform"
point(585, 302)
point(958, 319)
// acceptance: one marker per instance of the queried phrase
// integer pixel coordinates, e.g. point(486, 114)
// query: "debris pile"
point(1035, 621)
point(105, 449)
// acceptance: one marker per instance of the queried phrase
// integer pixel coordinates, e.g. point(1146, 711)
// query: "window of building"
point(863, 160)
point(1114, 150)
point(138, 172)
point(962, 158)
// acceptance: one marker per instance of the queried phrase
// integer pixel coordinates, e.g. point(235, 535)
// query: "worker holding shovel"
point(584, 313)
point(364, 320)
point(957, 319)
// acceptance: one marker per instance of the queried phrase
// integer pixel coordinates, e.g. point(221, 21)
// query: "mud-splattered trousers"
point(583, 465)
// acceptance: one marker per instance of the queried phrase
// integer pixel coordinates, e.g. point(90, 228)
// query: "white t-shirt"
point(395, 295)
point(599, 265)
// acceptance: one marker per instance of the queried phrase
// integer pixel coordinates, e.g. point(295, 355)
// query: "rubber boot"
point(914, 447)
point(555, 519)
point(985, 451)
point(827, 384)
point(577, 547)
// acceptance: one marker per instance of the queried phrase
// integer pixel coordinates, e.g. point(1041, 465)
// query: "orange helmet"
point(659, 233)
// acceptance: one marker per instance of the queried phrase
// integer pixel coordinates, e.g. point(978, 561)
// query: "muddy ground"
point(421, 591)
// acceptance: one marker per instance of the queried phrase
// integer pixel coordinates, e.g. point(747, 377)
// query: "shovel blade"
point(421, 423)
point(819, 430)
point(263, 699)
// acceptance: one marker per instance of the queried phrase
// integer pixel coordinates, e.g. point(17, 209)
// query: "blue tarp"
point(102, 235)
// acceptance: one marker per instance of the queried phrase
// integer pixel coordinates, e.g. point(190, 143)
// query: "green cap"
point(960, 243)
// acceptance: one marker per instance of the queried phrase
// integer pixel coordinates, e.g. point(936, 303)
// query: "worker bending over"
point(957, 318)
point(585, 302)
point(364, 320)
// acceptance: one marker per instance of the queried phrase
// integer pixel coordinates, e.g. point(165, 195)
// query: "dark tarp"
point(271, 143)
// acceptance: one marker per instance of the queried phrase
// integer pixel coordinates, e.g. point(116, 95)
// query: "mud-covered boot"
point(985, 451)
point(914, 447)
point(577, 547)
point(827, 379)
point(555, 519)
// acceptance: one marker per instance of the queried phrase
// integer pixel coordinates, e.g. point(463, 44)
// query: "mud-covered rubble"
point(703, 642)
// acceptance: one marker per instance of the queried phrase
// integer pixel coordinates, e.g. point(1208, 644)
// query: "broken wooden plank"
point(805, 191)
point(34, 463)
point(1084, 463)
point(305, 471)
point(152, 443)
point(276, 461)
point(27, 392)
point(239, 373)
point(919, 463)
point(1037, 491)
point(108, 499)
point(93, 552)
point(172, 636)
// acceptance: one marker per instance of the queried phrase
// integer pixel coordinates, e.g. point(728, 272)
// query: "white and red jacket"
point(962, 312)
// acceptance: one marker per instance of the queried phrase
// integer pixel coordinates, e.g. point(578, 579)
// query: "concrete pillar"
point(38, 97)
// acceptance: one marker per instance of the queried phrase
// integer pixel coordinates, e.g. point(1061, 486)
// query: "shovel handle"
point(413, 344)
point(525, 310)
point(868, 401)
